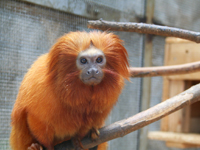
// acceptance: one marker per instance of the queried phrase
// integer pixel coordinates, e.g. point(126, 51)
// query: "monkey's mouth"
point(92, 80)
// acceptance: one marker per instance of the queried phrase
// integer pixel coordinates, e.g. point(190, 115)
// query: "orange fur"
point(53, 104)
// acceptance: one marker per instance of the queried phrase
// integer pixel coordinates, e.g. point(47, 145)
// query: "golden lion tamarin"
point(69, 91)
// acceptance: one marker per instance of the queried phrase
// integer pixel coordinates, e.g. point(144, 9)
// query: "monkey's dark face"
point(91, 62)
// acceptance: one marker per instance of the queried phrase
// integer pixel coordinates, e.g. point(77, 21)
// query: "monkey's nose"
point(92, 71)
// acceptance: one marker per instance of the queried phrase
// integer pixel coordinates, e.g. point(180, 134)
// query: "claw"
point(95, 133)
point(77, 144)
point(35, 146)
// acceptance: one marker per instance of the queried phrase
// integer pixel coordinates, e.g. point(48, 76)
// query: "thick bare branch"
point(145, 28)
point(164, 70)
point(123, 127)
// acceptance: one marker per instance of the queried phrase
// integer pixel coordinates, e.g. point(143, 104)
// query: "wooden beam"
point(180, 145)
point(193, 139)
point(176, 118)
point(146, 82)
point(164, 121)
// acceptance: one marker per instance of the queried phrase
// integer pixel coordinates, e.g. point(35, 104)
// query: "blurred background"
point(28, 28)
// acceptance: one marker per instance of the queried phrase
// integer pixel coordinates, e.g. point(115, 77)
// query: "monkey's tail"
point(20, 137)
point(102, 146)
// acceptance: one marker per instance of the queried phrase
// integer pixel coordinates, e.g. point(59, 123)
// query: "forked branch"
point(145, 29)
point(123, 127)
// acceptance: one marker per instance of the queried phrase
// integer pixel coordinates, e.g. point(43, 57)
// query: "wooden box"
point(182, 128)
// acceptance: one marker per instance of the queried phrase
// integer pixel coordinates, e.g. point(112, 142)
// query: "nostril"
point(97, 71)
point(88, 72)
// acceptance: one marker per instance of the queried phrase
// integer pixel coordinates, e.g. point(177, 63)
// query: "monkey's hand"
point(35, 146)
point(77, 143)
point(94, 133)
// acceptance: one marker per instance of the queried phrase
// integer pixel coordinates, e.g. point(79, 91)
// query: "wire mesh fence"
point(27, 31)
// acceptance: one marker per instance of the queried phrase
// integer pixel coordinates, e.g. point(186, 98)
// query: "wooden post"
point(146, 84)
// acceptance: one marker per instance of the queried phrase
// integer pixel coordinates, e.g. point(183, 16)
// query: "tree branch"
point(164, 70)
point(123, 127)
point(145, 29)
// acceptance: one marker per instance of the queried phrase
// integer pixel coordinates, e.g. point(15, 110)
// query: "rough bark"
point(164, 70)
point(145, 29)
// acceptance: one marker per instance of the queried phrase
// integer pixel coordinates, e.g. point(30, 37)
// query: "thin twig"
point(145, 28)
point(123, 127)
point(164, 70)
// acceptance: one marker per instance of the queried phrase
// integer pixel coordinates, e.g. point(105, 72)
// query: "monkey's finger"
point(77, 143)
point(94, 133)
point(35, 146)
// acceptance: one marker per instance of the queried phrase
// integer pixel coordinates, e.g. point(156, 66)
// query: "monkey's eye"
point(83, 60)
point(99, 59)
